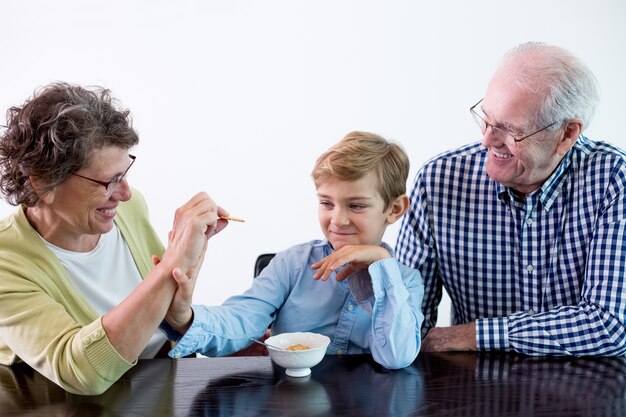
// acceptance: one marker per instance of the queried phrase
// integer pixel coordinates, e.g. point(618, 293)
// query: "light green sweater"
point(45, 322)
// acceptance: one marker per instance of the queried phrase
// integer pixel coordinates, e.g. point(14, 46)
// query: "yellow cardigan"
point(45, 322)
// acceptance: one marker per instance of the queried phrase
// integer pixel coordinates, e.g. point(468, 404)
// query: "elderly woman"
point(82, 292)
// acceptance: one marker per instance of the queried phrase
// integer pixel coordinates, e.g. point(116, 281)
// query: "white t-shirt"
point(105, 276)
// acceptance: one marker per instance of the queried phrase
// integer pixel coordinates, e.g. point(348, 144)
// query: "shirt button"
point(529, 268)
point(531, 311)
point(339, 352)
point(529, 222)
point(350, 307)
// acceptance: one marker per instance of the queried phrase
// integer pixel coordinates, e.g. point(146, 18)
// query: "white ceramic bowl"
point(298, 363)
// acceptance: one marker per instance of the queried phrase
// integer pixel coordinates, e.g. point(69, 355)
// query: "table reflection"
point(454, 384)
point(498, 384)
point(145, 390)
point(352, 385)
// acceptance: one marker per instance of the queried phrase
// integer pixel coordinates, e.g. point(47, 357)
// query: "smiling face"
point(353, 212)
point(76, 212)
point(523, 166)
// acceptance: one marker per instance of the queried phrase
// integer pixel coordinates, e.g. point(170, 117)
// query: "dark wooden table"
point(459, 384)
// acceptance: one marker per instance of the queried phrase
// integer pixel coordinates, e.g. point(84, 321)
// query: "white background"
point(238, 98)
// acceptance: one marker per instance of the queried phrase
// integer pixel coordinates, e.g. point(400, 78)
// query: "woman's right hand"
point(194, 223)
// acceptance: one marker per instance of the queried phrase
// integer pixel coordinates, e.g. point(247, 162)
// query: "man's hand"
point(356, 257)
point(441, 339)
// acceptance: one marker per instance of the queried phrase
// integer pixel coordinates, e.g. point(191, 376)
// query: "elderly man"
point(526, 229)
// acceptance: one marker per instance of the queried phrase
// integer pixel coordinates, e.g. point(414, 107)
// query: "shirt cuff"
point(104, 358)
point(169, 331)
point(360, 284)
point(368, 284)
point(492, 334)
point(189, 342)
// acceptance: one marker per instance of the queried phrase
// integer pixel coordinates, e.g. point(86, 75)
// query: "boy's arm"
point(389, 291)
point(223, 330)
point(396, 313)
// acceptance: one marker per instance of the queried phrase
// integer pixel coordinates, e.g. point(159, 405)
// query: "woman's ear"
point(572, 131)
point(398, 208)
point(45, 194)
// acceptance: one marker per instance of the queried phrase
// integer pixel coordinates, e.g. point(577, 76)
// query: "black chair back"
point(261, 262)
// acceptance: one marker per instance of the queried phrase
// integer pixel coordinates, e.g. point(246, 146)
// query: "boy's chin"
point(338, 244)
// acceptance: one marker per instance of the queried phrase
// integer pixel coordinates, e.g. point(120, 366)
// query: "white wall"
point(238, 98)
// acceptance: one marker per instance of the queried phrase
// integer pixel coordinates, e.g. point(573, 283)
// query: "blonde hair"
point(360, 153)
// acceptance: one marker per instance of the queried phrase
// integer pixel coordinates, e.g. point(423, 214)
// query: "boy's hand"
point(179, 314)
point(254, 349)
point(356, 257)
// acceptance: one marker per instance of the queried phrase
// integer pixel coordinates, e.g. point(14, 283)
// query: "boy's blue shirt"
point(375, 311)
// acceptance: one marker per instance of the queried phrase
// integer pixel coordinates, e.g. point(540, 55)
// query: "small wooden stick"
point(232, 218)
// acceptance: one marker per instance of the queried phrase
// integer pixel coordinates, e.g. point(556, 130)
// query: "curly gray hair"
point(53, 135)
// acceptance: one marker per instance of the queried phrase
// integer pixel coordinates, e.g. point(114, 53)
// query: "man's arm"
point(592, 326)
point(440, 339)
point(595, 325)
point(415, 248)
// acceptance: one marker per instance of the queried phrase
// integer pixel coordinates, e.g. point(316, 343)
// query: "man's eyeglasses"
point(110, 186)
point(498, 132)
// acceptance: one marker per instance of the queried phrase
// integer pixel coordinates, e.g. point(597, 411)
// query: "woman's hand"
point(194, 223)
point(167, 290)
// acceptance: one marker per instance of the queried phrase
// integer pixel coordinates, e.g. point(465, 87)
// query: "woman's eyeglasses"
point(110, 186)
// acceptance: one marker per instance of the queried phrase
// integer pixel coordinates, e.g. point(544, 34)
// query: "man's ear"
point(398, 208)
point(45, 194)
point(572, 131)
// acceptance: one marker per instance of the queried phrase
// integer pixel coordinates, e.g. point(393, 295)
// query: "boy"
point(347, 287)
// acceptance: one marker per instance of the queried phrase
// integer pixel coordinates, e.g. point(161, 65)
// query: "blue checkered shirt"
point(545, 275)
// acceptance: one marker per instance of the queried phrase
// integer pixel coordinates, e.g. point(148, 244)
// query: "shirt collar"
point(553, 186)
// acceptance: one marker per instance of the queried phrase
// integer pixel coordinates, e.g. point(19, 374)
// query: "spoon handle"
point(265, 344)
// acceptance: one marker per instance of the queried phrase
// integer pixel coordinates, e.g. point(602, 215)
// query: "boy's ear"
point(398, 208)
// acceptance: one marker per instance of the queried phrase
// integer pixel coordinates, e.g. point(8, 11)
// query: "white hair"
point(569, 87)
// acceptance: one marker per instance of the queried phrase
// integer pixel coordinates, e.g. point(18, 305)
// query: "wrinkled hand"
point(355, 257)
point(456, 338)
point(194, 223)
